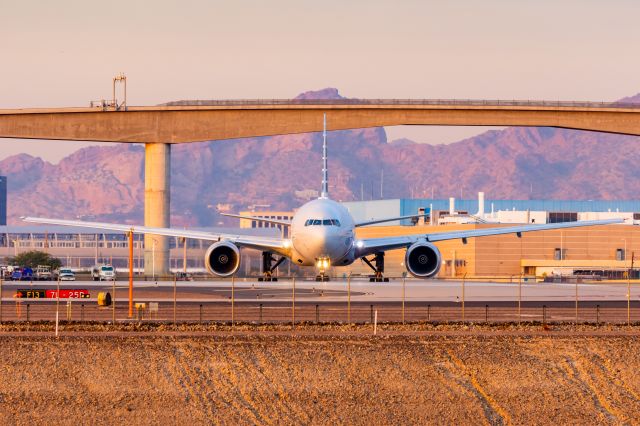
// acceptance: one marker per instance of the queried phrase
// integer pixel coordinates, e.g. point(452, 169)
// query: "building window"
point(620, 254)
point(636, 216)
point(558, 217)
point(559, 254)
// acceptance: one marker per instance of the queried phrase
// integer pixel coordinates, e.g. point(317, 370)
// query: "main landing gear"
point(378, 269)
point(268, 266)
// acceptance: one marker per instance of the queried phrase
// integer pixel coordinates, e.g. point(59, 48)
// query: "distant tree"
point(34, 258)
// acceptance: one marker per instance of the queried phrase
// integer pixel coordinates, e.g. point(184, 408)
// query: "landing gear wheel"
point(378, 268)
point(268, 267)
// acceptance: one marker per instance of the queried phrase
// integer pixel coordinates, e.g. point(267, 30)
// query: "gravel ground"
point(454, 374)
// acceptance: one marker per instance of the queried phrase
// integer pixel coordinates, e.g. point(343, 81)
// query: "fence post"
point(576, 322)
point(463, 279)
point(201, 313)
point(260, 313)
point(520, 298)
point(113, 303)
point(544, 314)
point(349, 299)
point(429, 313)
point(317, 314)
point(403, 295)
point(175, 306)
point(597, 314)
point(233, 299)
point(293, 304)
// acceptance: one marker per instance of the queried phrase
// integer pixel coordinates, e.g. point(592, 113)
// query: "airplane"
point(322, 234)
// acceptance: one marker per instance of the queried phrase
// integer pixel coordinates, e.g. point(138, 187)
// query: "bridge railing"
point(446, 102)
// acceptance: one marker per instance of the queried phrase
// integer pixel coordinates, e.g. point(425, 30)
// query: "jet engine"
point(222, 259)
point(423, 260)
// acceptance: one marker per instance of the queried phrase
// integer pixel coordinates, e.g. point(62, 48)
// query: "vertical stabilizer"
point(325, 172)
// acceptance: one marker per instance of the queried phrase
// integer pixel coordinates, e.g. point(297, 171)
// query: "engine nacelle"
point(222, 259)
point(423, 260)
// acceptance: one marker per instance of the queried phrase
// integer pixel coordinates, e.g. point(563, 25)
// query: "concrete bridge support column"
point(157, 179)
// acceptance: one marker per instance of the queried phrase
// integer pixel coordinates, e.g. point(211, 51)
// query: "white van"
point(103, 273)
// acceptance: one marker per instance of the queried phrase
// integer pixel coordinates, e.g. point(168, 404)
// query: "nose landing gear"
point(378, 269)
point(322, 276)
point(268, 267)
point(322, 264)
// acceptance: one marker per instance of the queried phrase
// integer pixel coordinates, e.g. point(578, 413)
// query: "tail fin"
point(325, 172)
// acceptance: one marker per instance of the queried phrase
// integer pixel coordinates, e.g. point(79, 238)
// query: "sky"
point(65, 53)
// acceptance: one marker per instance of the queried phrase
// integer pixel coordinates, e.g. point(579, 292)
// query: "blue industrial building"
point(375, 209)
point(3, 200)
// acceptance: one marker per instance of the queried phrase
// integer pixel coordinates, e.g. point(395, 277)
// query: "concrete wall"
point(3, 200)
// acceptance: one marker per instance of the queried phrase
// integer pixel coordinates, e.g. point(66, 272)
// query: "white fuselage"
point(322, 230)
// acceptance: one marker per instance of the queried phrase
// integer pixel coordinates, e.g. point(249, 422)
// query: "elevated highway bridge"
point(193, 121)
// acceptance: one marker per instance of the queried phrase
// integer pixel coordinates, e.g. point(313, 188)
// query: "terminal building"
point(605, 251)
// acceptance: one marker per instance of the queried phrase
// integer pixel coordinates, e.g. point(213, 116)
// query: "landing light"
point(359, 244)
point(286, 244)
point(323, 263)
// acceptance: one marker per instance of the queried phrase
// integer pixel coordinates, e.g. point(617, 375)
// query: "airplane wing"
point(259, 219)
point(389, 219)
point(369, 246)
point(260, 243)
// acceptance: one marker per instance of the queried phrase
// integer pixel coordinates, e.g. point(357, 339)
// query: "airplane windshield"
point(323, 222)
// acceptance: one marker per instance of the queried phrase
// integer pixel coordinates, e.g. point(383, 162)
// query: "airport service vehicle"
point(43, 273)
point(103, 273)
point(322, 235)
point(22, 274)
point(5, 272)
point(184, 276)
point(66, 274)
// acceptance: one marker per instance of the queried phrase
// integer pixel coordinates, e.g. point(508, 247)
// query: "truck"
point(103, 273)
point(22, 274)
point(43, 273)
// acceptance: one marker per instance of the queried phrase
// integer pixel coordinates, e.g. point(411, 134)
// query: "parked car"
point(184, 276)
point(66, 274)
point(103, 273)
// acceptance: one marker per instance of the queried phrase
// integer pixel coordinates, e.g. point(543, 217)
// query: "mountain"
point(106, 183)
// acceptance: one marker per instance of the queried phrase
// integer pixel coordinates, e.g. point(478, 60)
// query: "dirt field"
point(322, 376)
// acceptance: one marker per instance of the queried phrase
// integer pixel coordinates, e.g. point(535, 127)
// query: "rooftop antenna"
point(325, 177)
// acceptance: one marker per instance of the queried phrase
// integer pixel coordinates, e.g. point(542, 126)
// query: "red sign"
point(68, 294)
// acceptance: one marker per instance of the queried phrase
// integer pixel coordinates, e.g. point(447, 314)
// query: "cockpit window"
point(323, 222)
